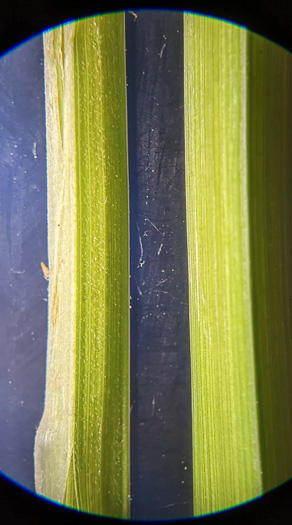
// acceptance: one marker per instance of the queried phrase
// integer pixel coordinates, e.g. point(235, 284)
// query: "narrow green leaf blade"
point(86, 119)
point(270, 193)
point(226, 458)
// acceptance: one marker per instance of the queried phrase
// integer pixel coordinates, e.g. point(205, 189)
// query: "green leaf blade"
point(226, 458)
point(98, 475)
point(270, 191)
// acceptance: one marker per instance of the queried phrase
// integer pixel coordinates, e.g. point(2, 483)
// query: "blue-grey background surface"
point(23, 245)
point(161, 432)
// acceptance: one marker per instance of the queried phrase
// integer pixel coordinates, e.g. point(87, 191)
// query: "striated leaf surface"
point(226, 456)
point(82, 444)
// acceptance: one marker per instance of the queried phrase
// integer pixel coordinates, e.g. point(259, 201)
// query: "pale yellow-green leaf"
point(226, 455)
